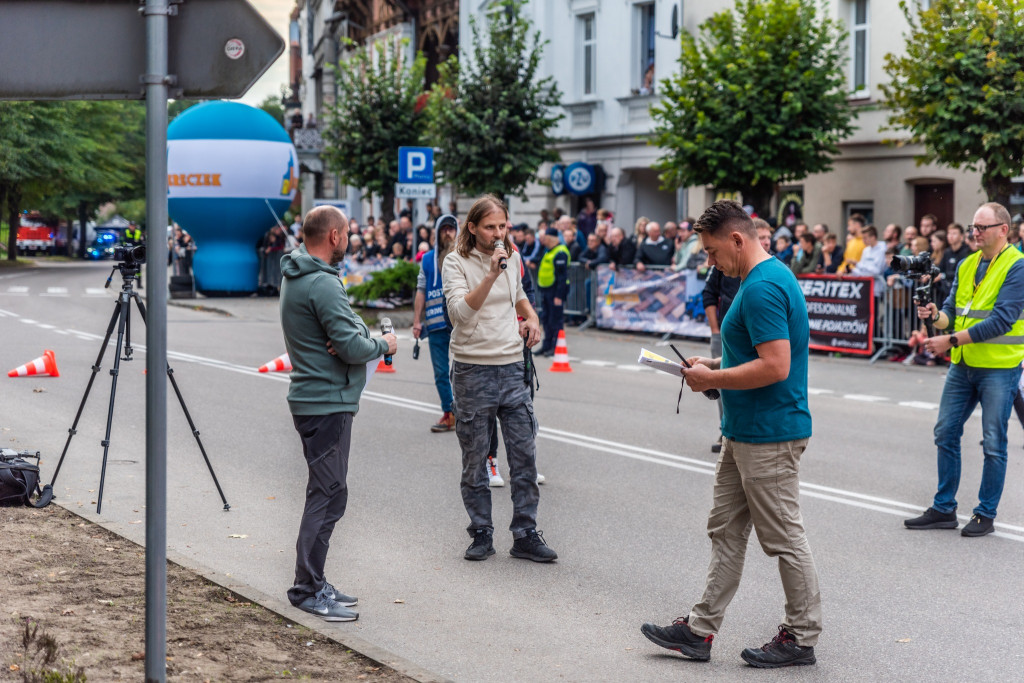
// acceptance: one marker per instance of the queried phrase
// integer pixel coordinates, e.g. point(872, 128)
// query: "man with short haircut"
point(763, 371)
point(983, 331)
point(820, 230)
point(892, 236)
point(854, 242)
point(621, 251)
point(686, 244)
point(329, 347)
point(958, 249)
point(872, 260)
point(670, 230)
point(595, 254)
point(929, 224)
point(655, 250)
point(553, 283)
point(586, 219)
point(574, 247)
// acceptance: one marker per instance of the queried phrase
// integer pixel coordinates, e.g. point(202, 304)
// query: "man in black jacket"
point(655, 250)
point(719, 291)
point(621, 252)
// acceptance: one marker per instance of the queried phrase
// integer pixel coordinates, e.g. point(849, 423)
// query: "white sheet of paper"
point(651, 359)
point(371, 368)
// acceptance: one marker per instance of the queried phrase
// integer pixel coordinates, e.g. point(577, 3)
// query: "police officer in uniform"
point(553, 282)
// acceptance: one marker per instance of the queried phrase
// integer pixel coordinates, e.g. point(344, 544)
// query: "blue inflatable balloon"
point(230, 169)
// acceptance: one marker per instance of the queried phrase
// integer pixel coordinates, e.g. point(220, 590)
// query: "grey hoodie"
point(314, 309)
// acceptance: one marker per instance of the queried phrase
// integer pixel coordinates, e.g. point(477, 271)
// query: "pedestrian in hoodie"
point(329, 347)
point(490, 378)
point(429, 304)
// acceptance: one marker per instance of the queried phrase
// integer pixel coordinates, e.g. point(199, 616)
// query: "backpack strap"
point(10, 481)
point(45, 496)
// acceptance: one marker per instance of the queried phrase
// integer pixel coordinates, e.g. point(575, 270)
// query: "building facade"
point(608, 57)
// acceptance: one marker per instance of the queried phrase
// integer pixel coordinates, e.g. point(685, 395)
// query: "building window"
point(866, 209)
point(860, 34)
point(645, 63)
point(588, 54)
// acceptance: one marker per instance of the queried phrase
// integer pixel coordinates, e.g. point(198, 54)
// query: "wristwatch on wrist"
point(953, 342)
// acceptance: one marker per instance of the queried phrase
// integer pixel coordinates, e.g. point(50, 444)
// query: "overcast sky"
point(276, 12)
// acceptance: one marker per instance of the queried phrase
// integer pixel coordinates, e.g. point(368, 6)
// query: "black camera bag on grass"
point(19, 480)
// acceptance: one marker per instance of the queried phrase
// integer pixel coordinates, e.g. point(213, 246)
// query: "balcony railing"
point(307, 139)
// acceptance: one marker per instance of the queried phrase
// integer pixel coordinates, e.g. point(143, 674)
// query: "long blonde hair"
point(481, 207)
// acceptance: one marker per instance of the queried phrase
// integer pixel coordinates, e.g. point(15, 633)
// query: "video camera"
point(923, 269)
point(131, 255)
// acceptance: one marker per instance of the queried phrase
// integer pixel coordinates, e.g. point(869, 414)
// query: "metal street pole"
point(156, 81)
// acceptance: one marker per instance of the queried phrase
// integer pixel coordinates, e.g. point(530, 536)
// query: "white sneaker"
point(493, 475)
point(541, 478)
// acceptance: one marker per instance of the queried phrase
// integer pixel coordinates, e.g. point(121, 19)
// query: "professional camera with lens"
point(914, 265)
point(131, 255)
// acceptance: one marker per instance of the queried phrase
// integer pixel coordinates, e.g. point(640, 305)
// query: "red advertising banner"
point(840, 312)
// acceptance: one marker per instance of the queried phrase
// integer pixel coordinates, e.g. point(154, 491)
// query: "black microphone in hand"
point(387, 328)
point(498, 244)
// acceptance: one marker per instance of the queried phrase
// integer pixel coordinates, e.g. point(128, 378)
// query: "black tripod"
point(122, 318)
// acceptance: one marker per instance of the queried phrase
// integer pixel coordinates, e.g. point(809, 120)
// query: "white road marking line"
point(61, 331)
point(10, 314)
point(817, 392)
point(45, 326)
point(923, 405)
point(630, 368)
point(866, 398)
point(17, 290)
point(599, 363)
point(842, 496)
point(28, 322)
point(55, 291)
point(96, 291)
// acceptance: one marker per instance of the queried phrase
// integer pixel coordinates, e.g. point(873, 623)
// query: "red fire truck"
point(34, 236)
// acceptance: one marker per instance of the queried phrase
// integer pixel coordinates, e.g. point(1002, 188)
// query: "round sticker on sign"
point(234, 48)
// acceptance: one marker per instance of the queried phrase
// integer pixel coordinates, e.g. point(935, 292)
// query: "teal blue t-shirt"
point(768, 306)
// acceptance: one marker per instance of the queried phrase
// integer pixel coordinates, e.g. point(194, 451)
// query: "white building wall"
point(609, 125)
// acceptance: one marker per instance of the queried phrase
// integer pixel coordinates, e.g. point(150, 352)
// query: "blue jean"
point(439, 341)
point(966, 387)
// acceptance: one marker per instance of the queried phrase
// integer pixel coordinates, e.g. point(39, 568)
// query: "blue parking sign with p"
point(415, 164)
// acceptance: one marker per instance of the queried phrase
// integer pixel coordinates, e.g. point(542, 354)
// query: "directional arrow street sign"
point(89, 50)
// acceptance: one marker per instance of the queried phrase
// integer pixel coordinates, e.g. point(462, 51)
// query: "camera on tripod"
point(923, 269)
point(131, 255)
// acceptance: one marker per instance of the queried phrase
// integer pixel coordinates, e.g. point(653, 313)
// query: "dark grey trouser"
point(483, 392)
point(326, 440)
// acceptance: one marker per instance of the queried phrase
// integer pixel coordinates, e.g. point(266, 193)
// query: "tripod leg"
point(125, 311)
point(81, 406)
point(188, 416)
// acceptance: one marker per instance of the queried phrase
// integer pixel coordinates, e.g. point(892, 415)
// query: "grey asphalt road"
point(629, 487)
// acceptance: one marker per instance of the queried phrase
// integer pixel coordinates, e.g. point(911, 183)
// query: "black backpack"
point(19, 480)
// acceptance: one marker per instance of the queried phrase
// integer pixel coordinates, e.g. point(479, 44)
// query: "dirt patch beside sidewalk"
point(85, 587)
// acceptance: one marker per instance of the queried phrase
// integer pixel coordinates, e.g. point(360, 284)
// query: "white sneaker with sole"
point(493, 475)
point(541, 478)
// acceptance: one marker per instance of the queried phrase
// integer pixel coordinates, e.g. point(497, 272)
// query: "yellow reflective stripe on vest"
point(546, 271)
point(1004, 351)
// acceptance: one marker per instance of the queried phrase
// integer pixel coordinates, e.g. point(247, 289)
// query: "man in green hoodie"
point(329, 347)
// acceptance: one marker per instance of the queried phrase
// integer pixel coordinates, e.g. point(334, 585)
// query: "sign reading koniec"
point(840, 312)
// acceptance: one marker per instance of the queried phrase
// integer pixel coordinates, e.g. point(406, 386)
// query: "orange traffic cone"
point(561, 363)
point(384, 367)
point(280, 364)
point(46, 364)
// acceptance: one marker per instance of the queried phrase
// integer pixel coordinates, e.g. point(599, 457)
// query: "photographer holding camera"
point(984, 333)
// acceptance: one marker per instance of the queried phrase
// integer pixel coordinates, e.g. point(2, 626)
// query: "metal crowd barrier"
point(895, 318)
point(578, 302)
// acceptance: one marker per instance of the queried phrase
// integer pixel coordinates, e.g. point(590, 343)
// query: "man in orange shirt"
point(854, 242)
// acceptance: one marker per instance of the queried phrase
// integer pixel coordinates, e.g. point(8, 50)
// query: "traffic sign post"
point(415, 173)
point(200, 49)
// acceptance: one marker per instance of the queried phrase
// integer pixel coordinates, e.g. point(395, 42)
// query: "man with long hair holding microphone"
point(485, 298)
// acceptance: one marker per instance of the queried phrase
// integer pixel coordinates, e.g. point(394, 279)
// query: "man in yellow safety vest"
point(553, 282)
point(983, 329)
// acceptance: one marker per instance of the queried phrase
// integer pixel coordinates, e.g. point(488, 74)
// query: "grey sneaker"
point(323, 606)
point(482, 546)
point(334, 594)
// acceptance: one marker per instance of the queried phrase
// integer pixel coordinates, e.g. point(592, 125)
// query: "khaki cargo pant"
point(757, 485)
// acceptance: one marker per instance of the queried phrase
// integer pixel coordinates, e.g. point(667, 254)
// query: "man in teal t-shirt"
point(762, 376)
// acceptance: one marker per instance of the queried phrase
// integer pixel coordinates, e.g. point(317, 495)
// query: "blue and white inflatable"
point(230, 169)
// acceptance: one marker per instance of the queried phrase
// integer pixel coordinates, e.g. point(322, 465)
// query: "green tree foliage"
point(272, 105)
point(760, 98)
point(395, 283)
point(958, 88)
point(491, 116)
point(375, 115)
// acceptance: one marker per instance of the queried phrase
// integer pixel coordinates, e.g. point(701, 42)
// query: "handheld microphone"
point(498, 244)
point(387, 328)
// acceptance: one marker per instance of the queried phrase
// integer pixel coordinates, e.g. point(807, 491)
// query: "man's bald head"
point(319, 223)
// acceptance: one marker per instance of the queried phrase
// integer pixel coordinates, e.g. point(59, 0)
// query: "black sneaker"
point(680, 638)
point(978, 526)
point(933, 519)
point(482, 546)
point(716, 447)
point(780, 651)
point(533, 547)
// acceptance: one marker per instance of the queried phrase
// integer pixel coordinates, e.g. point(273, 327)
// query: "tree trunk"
point(82, 219)
point(387, 205)
point(3, 198)
point(998, 188)
point(13, 221)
